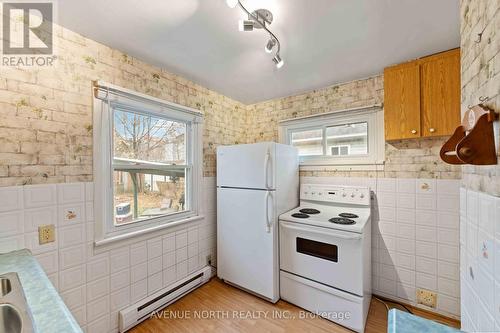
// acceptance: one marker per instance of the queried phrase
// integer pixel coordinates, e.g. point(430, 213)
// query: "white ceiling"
point(323, 41)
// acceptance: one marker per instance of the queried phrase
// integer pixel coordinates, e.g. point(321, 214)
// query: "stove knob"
point(344, 194)
point(353, 195)
point(313, 193)
point(362, 196)
point(320, 193)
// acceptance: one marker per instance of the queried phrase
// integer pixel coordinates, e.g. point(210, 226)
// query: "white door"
point(247, 247)
point(246, 166)
point(328, 256)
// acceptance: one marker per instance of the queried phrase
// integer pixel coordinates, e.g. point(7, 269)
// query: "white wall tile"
point(97, 289)
point(33, 218)
point(71, 278)
point(405, 201)
point(49, 262)
point(154, 248)
point(426, 202)
point(97, 308)
point(119, 259)
point(71, 235)
point(75, 298)
point(97, 269)
point(386, 184)
point(138, 272)
point(155, 265)
point(120, 299)
point(40, 196)
point(426, 265)
point(11, 223)
point(72, 256)
point(139, 290)
point(120, 280)
point(11, 198)
point(168, 243)
point(70, 193)
point(180, 239)
point(99, 325)
point(426, 186)
point(426, 281)
point(448, 203)
point(448, 186)
point(138, 253)
point(155, 282)
point(405, 185)
point(169, 276)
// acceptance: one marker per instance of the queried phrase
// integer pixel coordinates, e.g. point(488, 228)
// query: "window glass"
point(140, 196)
point(148, 138)
point(347, 139)
point(308, 142)
point(146, 180)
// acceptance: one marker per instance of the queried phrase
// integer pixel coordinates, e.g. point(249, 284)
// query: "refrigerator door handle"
point(266, 164)
point(268, 220)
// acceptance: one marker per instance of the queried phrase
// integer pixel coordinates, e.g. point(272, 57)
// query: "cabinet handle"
point(432, 130)
point(413, 131)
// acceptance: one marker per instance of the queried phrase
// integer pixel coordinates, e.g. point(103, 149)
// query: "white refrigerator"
point(255, 184)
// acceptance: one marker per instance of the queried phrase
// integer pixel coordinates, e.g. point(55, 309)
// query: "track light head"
point(245, 25)
point(270, 45)
point(278, 61)
point(231, 3)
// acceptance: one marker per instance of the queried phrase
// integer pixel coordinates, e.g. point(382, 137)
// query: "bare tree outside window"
point(144, 148)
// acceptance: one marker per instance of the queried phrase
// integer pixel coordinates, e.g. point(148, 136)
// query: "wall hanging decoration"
point(260, 19)
point(473, 142)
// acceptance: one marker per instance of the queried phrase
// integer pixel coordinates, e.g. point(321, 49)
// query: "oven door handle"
point(293, 226)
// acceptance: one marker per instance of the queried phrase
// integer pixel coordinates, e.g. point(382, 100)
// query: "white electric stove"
point(325, 253)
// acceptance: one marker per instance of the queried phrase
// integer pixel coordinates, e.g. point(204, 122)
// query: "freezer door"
point(247, 241)
point(246, 166)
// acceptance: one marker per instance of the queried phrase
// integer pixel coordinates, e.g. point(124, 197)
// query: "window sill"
point(112, 242)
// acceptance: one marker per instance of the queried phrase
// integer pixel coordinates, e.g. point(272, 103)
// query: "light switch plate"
point(46, 234)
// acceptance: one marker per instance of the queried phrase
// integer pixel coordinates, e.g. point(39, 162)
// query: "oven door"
point(327, 256)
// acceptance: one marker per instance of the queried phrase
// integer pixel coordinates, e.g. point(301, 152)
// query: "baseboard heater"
point(134, 314)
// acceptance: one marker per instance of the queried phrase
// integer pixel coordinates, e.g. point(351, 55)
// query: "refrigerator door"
point(246, 166)
point(247, 241)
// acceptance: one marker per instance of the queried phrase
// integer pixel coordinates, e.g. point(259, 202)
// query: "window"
point(350, 137)
point(149, 154)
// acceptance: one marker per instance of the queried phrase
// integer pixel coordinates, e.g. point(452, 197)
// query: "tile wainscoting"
point(96, 286)
point(415, 237)
point(480, 261)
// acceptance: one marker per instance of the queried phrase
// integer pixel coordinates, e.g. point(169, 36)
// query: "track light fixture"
point(270, 45)
point(259, 19)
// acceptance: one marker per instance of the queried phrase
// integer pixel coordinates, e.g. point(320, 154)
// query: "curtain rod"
point(108, 88)
point(317, 115)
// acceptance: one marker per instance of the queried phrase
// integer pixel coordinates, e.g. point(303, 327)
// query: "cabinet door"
point(402, 101)
point(440, 76)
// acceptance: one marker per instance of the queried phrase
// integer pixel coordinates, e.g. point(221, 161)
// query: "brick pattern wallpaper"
point(404, 159)
point(481, 77)
point(46, 112)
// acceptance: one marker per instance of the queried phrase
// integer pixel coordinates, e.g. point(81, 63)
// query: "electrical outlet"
point(426, 297)
point(46, 234)
point(209, 259)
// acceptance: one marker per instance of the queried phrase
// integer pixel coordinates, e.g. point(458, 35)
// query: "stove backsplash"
point(415, 237)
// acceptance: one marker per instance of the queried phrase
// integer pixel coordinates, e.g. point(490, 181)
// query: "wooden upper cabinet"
point(440, 93)
point(402, 101)
point(422, 97)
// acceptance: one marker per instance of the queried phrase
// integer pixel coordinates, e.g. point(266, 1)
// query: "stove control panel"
point(334, 193)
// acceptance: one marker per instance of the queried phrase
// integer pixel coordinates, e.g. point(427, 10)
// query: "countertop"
point(48, 311)
point(404, 322)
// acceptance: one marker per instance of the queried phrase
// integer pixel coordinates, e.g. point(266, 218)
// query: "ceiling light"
point(246, 25)
point(260, 19)
point(278, 61)
point(270, 45)
point(231, 3)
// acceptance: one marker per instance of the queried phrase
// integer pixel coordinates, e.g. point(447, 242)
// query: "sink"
point(10, 319)
point(5, 286)
point(15, 315)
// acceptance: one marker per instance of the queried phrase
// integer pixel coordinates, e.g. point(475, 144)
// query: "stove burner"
point(300, 215)
point(348, 215)
point(309, 211)
point(341, 220)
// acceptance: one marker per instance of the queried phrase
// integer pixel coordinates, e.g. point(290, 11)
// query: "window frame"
point(108, 98)
point(372, 115)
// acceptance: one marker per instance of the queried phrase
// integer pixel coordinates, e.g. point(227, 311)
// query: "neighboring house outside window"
point(349, 137)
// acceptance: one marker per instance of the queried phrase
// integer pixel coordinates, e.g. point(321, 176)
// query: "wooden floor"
point(222, 299)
